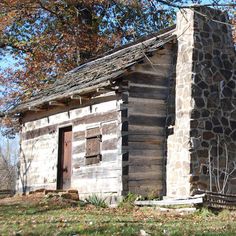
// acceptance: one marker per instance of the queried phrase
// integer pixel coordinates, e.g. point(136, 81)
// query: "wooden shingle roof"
point(98, 72)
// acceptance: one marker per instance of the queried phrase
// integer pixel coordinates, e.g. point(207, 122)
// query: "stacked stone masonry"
point(202, 150)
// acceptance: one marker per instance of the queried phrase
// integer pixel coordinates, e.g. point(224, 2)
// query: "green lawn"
point(47, 218)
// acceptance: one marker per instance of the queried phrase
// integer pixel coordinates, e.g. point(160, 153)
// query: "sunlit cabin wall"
point(39, 148)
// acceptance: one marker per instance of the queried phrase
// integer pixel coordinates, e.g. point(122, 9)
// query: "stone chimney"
point(202, 149)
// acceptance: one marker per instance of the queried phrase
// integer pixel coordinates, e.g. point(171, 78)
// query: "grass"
point(61, 219)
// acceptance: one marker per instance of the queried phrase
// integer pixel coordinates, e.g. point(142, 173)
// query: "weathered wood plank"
point(145, 168)
point(136, 104)
point(152, 93)
point(110, 144)
point(141, 161)
point(155, 139)
point(147, 109)
point(147, 120)
point(170, 202)
point(103, 173)
point(137, 100)
point(78, 162)
point(93, 132)
point(99, 186)
point(78, 149)
point(161, 70)
point(145, 191)
point(145, 176)
point(149, 183)
point(109, 156)
point(39, 132)
point(145, 130)
point(90, 160)
point(145, 153)
point(140, 78)
point(110, 128)
point(88, 119)
point(96, 117)
point(144, 146)
point(79, 135)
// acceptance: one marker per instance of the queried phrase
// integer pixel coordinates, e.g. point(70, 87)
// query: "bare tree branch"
point(170, 4)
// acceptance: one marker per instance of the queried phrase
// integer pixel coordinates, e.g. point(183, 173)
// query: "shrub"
point(128, 201)
point(96, 201)
point(204, 212)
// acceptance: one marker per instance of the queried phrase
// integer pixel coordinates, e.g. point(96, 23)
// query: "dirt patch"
point(20, 199)
point(53, 197)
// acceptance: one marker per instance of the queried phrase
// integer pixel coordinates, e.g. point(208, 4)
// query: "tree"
point(48, 38)
point(8, 165)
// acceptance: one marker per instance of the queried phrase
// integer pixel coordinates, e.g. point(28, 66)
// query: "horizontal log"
point(147, 120)
point(147, 183)
point(145, 168)
point(145, 146)
point(110, 144)
point(39, 132)
point(146, 152)
point(153, 93)
point(145, 176)
point(32, 116)
point(88, 119)
point(80, 148)
point(160, 70)
point(110, 128)
point(79, 135)
point(145, 130)
point(109, 157)
point(140, 78)
point(141, 161)
point(103, 174)
point(137, 100)
point(94, 132)
point(78, 162)
point(100, 185)
point(97, 117)
point(150, 109)
point(154, 139)
point(147, 190)
point(90, 160)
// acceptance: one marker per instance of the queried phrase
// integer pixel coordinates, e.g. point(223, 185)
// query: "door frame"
point(60, 158)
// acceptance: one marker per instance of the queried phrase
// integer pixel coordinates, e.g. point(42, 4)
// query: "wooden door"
point(64, 158)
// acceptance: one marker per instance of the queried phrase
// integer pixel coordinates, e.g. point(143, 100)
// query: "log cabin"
point(155, 117)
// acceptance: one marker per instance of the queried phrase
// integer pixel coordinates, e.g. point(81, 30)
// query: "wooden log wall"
point(146, 106)
point(39, 148)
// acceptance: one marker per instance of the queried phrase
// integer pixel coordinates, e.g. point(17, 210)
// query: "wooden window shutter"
point(93, 146)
